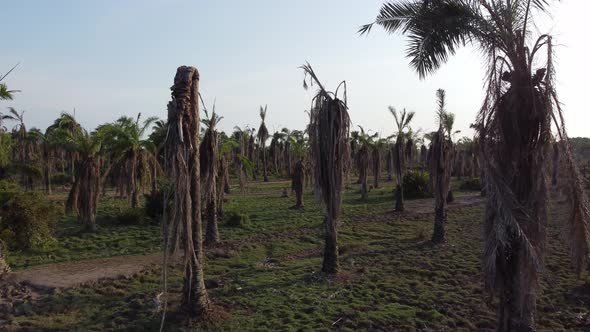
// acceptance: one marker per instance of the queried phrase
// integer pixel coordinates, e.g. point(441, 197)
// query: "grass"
point(392, 277)
point(72, 243)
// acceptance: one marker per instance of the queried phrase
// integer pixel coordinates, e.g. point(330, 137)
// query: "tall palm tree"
point(514, 127)
point(447, 121)
point(262, 137)
point(402, 123)
point(440, 169)
point(365, 142)
point(209, 154)
point(329, 141)
point(182, 153)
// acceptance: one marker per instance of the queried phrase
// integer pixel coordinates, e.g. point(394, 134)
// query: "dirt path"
point(70, 274)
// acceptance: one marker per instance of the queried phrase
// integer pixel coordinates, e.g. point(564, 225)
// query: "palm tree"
point(514, 127)
point(329, 141)
point(6, 94)
point(365, 141)
point(447, 121)
point(182, 153)
point(402, 122)
point(262, 137)
point(440, 169)
point(83, 196)
point(209, 171)
point(132, 151)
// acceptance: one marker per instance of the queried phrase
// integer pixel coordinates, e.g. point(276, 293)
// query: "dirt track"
point(71, 274)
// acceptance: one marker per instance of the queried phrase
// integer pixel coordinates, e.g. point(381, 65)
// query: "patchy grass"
point(266, 275)
point(74, 243)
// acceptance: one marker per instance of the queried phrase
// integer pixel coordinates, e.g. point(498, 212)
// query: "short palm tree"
point(514, 127)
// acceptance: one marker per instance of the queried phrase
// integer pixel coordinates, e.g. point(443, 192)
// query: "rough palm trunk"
point(133, 178)
point(209, 162)
point(555, 165)
point(89, 175)
point(264, 167)
point(376, 165)
point(399, 163)
point(72, 201)
point(297, 183)
point(183, 155)
point(363, 167)
point(440, 168)
point(389, 164)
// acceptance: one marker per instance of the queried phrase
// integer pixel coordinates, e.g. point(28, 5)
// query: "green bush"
point(27, 219)
point(241, 220)
point(471, 184)
point(416, 185)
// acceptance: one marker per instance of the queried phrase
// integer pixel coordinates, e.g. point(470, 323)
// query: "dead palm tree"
point(363, 155)
point(329, 142)
point(209, 155)
point(514, 127)
point(182, 151)
point(262, 137)
point(402, 122)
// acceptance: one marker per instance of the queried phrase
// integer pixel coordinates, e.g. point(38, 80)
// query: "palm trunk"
point(297, 183)
point(330, 264)
point(184, 160)
point(264, 171)
point(89, 189)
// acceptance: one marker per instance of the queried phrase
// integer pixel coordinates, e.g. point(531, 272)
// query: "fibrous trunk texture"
point(440, 168)
point(89, 175)
point(297, 183)
point(182, 148)
point(363, 167)
point(376, 165)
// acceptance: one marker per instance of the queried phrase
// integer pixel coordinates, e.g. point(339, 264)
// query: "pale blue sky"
point(109, 58)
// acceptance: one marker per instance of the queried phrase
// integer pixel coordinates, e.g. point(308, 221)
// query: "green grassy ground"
point(265, 276)
point(72, 243)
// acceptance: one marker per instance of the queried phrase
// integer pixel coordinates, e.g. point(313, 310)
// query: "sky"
point(111, 58)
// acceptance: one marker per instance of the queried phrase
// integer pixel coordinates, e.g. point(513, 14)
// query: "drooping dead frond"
point(329, 136)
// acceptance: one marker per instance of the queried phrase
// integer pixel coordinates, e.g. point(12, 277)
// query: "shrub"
point(241, 220)
point(154, 201)
point(27, 219)
point(471, 184)
point(131, 217)
point(416, 185)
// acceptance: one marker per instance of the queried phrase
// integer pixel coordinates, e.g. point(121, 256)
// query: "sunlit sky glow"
point(113, 58)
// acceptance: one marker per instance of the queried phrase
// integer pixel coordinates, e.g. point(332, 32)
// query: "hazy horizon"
point(110, 59)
